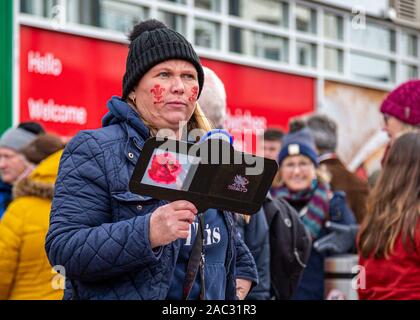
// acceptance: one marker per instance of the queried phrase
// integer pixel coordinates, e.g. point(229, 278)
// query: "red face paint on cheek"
point(157, 92)
point(194, 94)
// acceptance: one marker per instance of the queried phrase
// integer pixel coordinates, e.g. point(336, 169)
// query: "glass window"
point(176, 1)
point(409, 72)
point(333, 26)
point(373, 69)
point(41, 8)
point(333, 59)
point(212, 5)
point(305, 19)
point(108, 14)
point(375, 37)
point(207, 34)
point(409, 44)
point(270, 47)
point(272, 12)
point(306, 54)
point(175, 21)
point(258, 44)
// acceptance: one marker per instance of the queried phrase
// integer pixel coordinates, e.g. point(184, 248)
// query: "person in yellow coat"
point(25, 272)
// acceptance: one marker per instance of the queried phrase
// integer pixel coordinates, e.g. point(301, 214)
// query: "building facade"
point(277, 58)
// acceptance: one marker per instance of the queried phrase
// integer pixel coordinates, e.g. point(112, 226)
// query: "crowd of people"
point(70, 227)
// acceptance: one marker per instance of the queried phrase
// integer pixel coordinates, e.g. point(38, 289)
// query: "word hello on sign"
point(44, 64)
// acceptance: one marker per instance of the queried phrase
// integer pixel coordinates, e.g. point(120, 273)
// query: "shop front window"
point(176, 1)
point(306, 54)
point(271, 12)
point(175, 21)
point(212, 5)
point(333, 59)
point(410, 44)
point(107, 14)
point(257, 44)
point(375, 37)
point(207, 34)
point(372, 69)
point(305, 19)
point(409, 72)
point(333, 26)
point(41, 8)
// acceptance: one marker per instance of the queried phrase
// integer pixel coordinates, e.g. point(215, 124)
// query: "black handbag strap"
point(196, 262)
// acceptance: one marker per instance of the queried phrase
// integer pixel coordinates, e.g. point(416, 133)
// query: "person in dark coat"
point(115, 244)
point(308, 192)
point(324, 131)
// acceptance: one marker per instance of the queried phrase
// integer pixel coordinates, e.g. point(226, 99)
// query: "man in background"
point(272, 144)
point(13, 165)
point(324, 131)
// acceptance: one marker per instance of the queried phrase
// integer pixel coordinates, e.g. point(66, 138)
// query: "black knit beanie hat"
point(152, 42)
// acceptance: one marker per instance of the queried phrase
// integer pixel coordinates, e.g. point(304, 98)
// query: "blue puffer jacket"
point(99, 231)
point(5, 196)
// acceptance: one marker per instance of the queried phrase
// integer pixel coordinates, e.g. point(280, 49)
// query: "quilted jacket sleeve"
point(82, 236)
point(11, 228)
point(245, 263)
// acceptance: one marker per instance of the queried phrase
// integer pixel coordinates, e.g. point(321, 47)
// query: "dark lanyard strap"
point(196, 262)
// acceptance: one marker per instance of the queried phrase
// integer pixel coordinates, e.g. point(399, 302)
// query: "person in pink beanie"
point(401, 111)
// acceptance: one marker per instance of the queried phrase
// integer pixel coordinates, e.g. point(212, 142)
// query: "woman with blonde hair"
point(389, 238)
point(118, 245)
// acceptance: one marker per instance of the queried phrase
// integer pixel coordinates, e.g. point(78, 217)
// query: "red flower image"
point(165, 168)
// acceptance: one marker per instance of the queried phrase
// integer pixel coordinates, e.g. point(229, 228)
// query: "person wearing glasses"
point(401, 111)
point(307, 189)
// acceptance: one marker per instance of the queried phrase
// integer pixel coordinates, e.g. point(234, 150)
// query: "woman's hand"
point(171, 222)
point(242, 288)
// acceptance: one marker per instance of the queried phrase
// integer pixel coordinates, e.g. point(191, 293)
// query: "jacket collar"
point(40, 183)
point(137, 132)
point(121, 112)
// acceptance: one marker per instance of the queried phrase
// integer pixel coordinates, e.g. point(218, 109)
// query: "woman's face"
point(297, 172)
point(392, 126)
point(167, 93)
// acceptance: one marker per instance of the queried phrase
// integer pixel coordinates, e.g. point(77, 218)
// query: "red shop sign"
point(66, 80)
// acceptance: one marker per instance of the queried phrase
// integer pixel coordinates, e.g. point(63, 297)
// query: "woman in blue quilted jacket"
point(114, 244)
